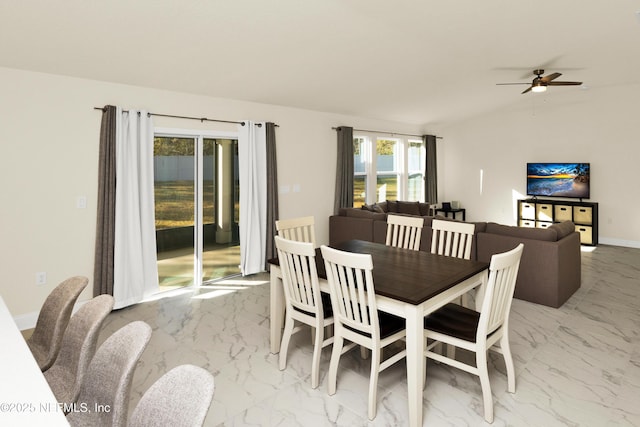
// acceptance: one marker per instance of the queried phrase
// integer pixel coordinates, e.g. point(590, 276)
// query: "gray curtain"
point(272, 190)
point(344, 169)
point(105, 225)
point(431, 170)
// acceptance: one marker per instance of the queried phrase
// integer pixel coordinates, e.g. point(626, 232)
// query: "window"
point(360, 172)
point(387, 169)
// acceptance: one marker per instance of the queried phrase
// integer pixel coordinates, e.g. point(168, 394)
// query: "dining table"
point(25, 396)
point(409, 284)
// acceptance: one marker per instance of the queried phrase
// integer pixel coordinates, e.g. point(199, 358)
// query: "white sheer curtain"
point(135, 274)
point(252, 159)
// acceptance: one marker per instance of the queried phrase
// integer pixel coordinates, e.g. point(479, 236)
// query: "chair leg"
point(364, 352)
point(317, 350)
point(333, 365)
point(508, 361)
point(424, 371)
point(376, 355)
point(483, 373)
point(284, 345)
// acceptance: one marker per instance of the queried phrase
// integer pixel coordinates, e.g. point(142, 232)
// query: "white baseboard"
point(26, 321)
point(619, 242)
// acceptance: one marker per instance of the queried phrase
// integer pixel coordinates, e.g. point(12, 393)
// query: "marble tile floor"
point(575, 366)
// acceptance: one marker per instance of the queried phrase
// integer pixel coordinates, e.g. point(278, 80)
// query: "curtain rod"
point(388, 133)
point(202, 119)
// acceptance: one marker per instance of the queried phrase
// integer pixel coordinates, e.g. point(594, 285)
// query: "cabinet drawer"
point(527, 223)
point(543, 224)
point(544, 212)
point(582, 215)
point(527, 210)
point(563, 213)
point(586, 234)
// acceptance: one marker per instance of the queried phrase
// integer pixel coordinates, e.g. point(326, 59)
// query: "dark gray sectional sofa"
point(550, 268)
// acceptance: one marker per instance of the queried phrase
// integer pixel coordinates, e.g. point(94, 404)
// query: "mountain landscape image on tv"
point(558, 179)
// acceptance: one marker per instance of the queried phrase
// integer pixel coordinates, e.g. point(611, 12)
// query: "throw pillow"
point(392, 206)
point(424, 209)
point(410, 208)
point(377, 208)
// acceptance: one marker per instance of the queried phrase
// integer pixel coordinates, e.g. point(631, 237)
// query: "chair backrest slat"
point(404, 231)
point(451, 238)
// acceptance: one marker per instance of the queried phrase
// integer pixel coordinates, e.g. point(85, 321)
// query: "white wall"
point(49, 132)
point(598, 126)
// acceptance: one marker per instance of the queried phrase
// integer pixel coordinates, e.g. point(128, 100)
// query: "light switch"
point(284, 189)
point(81, 202)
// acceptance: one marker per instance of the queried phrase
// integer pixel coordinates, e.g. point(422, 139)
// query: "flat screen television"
point(559, 179)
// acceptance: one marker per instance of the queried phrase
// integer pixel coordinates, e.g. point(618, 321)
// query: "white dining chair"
point(357, 318)
point(304, 302)
point(404, 231)
point(297, 229)
point(478, 332)
point(451, 238)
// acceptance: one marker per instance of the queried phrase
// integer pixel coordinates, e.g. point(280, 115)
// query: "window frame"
point(400, 167)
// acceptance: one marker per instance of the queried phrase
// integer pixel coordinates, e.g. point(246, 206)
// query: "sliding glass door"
point(196, 199)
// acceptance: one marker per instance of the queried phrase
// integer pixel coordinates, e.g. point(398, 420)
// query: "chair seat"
point(389, 325)
point(326, 306)
point(454, 320)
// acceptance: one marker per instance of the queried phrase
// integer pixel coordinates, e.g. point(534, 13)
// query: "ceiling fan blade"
point(547, 79)
point(502, 84)
point(564, 83)
point(527, 90)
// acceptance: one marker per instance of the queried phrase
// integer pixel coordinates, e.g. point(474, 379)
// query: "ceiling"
point(420, 62)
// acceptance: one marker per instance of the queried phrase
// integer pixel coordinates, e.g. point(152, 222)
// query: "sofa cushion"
point(547, 234)
point(363, 213)
point(410, 208)
point(563, 229)
point(424, 209)
point(392, 206)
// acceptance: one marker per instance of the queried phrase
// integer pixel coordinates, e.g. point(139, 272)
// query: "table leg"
point(415, 362)
point(276, 319)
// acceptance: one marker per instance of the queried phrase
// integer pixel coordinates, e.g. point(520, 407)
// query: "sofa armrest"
point(550, 272)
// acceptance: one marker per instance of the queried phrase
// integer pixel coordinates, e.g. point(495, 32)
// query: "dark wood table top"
point(406, 275)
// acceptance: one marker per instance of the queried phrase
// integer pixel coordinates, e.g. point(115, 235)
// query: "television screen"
point(558, 179)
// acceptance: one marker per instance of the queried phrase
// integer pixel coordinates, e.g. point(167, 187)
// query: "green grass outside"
point(175, 203)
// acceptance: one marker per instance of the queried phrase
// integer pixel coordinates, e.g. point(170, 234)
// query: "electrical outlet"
point(41, 278)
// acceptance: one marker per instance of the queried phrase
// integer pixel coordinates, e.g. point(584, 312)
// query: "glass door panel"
point(221, 243)
point(174, 190)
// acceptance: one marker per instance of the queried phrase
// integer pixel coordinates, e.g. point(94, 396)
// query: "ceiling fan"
point(539, 83)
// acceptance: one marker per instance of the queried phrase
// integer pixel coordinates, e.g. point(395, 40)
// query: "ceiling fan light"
point(538, 88)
